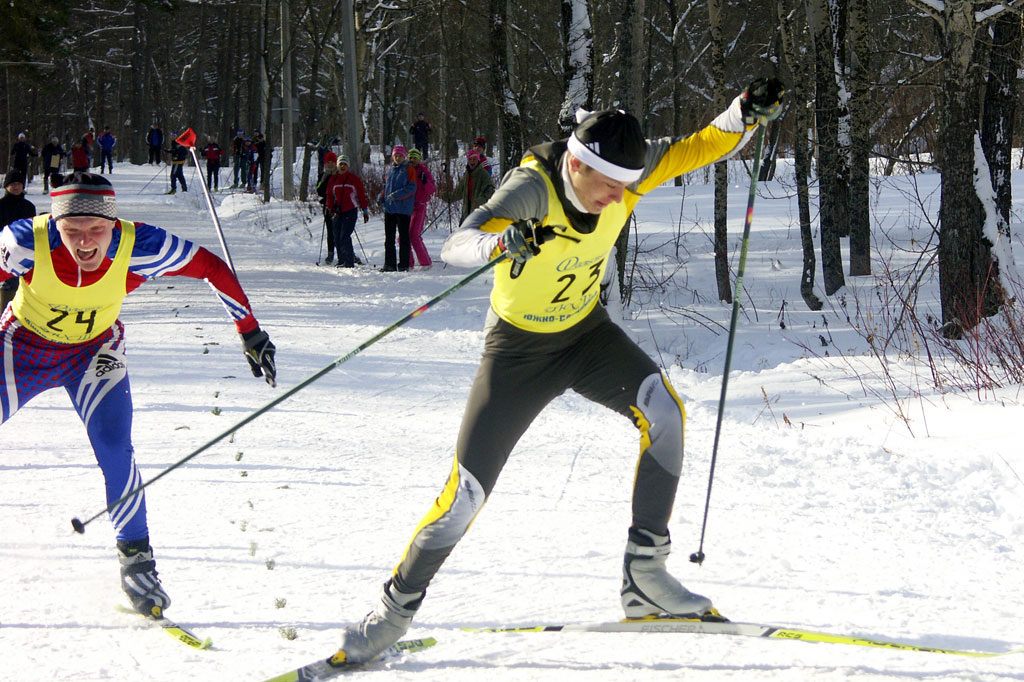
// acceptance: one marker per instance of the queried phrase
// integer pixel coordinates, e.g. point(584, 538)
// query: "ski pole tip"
point(77, 524)
point(697, 558)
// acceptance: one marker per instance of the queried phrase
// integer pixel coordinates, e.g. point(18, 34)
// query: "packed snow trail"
point(827, 513)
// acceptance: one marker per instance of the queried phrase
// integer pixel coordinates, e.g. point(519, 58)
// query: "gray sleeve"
point(522, 195)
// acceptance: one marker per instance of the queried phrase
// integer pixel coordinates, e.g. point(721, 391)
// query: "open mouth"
point(85, 255)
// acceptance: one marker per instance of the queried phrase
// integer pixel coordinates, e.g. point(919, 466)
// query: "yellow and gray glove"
point(762, 101)
point(521, 240)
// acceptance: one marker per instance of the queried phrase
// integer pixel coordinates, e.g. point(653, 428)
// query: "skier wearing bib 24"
point(77, 264)
point(557, 217)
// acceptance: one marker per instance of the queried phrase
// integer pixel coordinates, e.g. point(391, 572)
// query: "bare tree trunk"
point(960, 212)
point(798, 60)
point(577, 63)
point(501, 87)
point(198, 114)
point(721, 168)
point(832, 201)
point(675, 61)
point(770, 154)
point(629, 38)
point(136, 149)
point(319, 37)
point(1001, 95)
point(225, 69)
point(860, 143)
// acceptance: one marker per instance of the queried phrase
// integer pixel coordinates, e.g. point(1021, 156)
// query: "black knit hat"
point(14, 175)
point(83, 194)
point(611, 143)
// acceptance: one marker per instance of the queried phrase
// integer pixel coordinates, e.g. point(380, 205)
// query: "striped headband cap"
point(83, 194)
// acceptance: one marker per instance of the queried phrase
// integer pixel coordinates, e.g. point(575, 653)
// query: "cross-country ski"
point(693, 626)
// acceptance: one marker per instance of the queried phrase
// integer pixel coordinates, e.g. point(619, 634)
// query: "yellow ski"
point(178, 632)
point(336, 665)
point(664, 624)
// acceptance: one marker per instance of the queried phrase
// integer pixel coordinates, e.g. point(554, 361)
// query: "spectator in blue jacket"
point(398, 200)
point(107, 142)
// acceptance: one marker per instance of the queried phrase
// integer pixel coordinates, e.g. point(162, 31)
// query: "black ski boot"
point(139, 578)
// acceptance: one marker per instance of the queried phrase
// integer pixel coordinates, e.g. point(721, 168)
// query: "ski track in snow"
point(843, 519)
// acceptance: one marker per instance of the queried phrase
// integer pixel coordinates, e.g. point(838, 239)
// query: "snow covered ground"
point(828, 510)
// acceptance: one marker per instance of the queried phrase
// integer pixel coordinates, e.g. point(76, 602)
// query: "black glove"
point(259, 351)
point(521, 240)
point(762, 102)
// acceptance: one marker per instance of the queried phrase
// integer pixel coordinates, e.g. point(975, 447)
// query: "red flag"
point(187, 139)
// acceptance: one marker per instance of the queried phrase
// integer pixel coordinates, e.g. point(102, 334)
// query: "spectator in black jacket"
point(155, 140)
point(179, 153)
point(21, 151)
point(52, 153)
point(13, 206)
point(420, 131)
point(238, 159)
point(330, 169)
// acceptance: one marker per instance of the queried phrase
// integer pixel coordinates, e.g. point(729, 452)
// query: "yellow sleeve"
point(668, 157)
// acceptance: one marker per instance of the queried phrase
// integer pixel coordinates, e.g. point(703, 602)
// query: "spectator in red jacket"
point(79, 158)
point(87, 141)
point(480, 145)
point(345, 195)
point(213, 152)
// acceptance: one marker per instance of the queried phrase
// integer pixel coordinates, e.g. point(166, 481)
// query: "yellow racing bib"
point(68, 314)
point(558, 287)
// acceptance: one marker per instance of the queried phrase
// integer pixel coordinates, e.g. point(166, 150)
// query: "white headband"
point(591, 158)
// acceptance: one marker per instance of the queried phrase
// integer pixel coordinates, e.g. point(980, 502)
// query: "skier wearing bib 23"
point(557, 217)
point(77, 264)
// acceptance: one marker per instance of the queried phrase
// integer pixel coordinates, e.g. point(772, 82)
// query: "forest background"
point(875, 87)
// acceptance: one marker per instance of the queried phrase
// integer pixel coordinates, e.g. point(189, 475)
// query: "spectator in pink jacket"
point(424, 190)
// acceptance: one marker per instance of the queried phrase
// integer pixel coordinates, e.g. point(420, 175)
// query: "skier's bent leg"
point(659, 415)
point(436, 536)
point(622, 377)
point(502, 403)
point(647, 586)
point(440, 530)
point(103, 400)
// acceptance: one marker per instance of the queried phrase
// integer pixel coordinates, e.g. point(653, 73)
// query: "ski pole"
point(188, 139)
point(158, 172)
point(698, 556)
point(80, 525)
point(431, 223)
point(360, 242)
point(322, 233)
